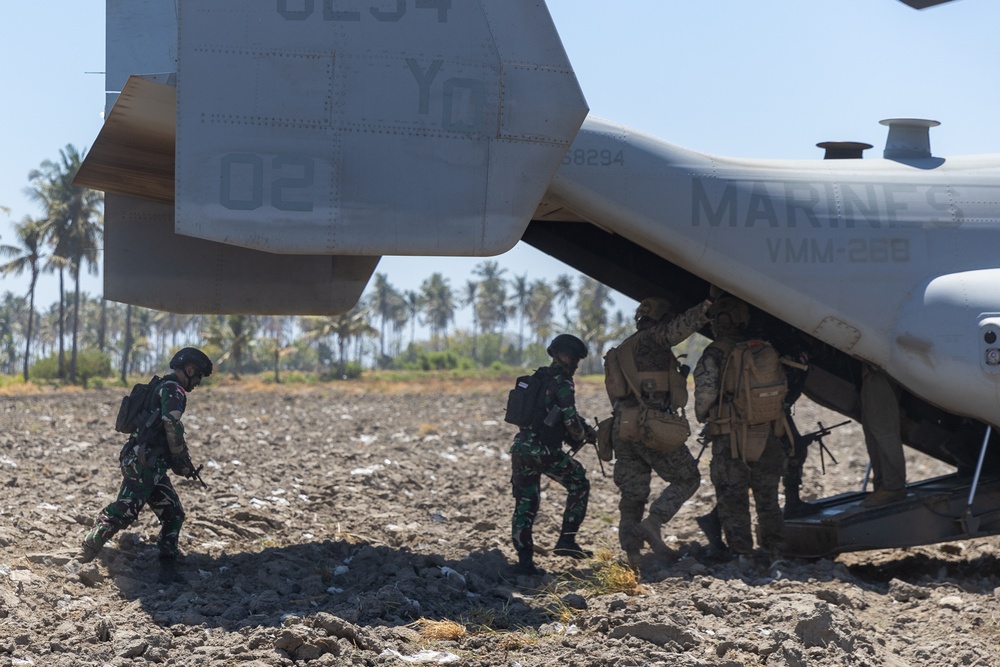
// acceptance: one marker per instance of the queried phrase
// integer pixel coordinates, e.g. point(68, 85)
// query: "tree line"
point(80, 336)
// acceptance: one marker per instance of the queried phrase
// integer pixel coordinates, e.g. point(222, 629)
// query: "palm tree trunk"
point(62, 326)
point(128, 343)
point(76, 326)
point(102, 327)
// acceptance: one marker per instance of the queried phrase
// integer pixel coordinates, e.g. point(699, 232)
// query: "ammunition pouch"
point(605, 448)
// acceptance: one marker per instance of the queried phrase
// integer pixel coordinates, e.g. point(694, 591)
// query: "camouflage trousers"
point(634, 463)
point(733, 480)
point(528, 463)
point(141, 485)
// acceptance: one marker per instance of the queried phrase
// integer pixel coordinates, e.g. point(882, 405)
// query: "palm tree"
point(520, 305)
point(234, 334)
point(540, 310)
point(492, 304)
point(413, 305)
point(26, 257)
point(386, 302)
point(73, 219)
point(564, 294)
point(469, 299)
point(592, 301)
point(439, 305)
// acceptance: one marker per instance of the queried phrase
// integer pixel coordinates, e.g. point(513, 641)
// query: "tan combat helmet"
point(729, 315)
point(656, 308)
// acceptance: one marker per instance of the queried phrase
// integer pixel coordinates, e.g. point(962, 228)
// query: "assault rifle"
point(196, 474)
point(817, 436)
point(597, 450)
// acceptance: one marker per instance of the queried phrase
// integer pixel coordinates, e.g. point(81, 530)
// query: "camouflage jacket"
point(168, 434)
point(708, 376)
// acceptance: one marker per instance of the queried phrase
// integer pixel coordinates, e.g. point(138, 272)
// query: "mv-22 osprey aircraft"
point(278, 148)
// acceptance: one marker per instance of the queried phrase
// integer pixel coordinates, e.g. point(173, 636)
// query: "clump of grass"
point(439, 630)
point(513, 641)
point(612, 576)
point(428, 429)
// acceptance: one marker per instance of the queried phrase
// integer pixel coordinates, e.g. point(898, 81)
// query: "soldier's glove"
point(577, 445)
point(181, 465)
point(590, 435)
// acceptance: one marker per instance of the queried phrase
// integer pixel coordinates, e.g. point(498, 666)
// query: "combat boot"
point(650, 528)
point(567, 546)
point(795, 507)
point(711, 525)
point(89, 549)
point(171, 569)
point(526, 564)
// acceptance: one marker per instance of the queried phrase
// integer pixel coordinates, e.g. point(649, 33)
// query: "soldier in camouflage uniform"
point(537, 451)
point(147, 456)
point(658, 331)
point(733, 478)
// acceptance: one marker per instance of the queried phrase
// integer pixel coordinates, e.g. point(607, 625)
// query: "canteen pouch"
point(628, 424)
point(664, 431)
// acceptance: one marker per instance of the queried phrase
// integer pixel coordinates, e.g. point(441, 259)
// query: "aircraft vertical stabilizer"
point(428, 128)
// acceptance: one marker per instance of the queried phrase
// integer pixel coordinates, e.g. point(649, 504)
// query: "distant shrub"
point(90, 364)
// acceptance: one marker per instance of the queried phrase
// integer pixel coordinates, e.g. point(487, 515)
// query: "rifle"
point(597, 424)
point(196, 474)
point(817, 436)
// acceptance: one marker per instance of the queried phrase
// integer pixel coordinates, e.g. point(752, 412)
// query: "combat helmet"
point(729, 315)
point(192, 355)
point(569, 345)
point(655, 308)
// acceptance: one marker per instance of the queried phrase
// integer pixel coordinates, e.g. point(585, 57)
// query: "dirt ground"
point(368, 524)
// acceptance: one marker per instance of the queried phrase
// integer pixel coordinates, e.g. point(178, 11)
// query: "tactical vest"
point(668, 382)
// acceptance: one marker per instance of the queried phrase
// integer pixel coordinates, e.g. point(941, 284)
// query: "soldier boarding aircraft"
point(282, 146)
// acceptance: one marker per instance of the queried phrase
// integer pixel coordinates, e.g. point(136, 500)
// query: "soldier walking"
point(745, 457)
point(147, 456)
point(537, 451)
point(654, 380)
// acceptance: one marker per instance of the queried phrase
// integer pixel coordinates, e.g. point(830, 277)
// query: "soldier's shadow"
point(356, 582)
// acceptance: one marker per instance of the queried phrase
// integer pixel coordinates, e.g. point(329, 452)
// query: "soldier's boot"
point(567, 546)
point(650, 528)
point(171, 568)
point(794, 505)
point(632, 558)
point(526, 564)
point(711, 525)
point(89, 548)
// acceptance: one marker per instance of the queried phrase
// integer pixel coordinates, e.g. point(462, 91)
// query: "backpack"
point(524, 402)
point(754, 380)
point(136, 409)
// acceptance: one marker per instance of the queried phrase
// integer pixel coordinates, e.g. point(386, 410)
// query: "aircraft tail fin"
point(349, 128)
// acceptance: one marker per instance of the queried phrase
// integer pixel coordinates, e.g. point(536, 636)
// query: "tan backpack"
point(753, 388)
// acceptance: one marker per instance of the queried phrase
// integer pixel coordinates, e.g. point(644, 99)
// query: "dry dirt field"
point(368, 524)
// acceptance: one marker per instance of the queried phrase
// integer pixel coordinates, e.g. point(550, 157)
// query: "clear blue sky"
point(730, 77)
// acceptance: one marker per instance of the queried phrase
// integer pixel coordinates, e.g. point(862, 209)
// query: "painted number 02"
point(284, 181)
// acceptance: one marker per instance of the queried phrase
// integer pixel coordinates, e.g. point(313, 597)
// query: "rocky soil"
point(368, 524)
